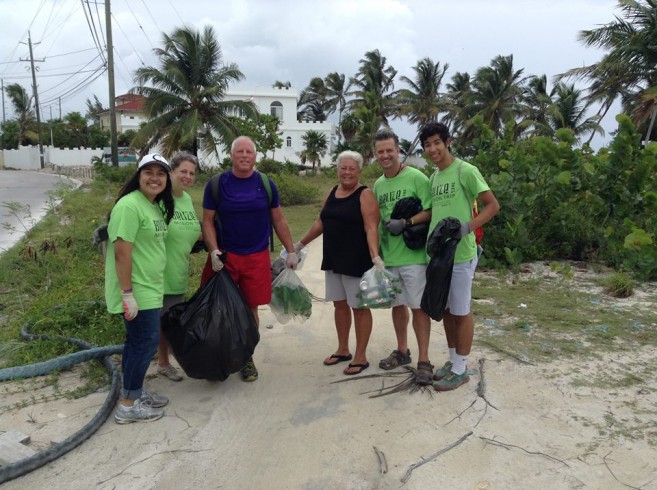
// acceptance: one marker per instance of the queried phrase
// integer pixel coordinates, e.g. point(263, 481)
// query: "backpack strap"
point(465, 192)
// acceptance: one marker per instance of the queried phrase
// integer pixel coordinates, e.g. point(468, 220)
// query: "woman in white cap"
point(134, 279)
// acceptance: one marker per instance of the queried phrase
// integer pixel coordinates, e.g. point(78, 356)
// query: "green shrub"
point(270, 166)
point(108, 173)
point(293, 190)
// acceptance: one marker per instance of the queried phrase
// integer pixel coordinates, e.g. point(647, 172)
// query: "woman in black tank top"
point(349, 221)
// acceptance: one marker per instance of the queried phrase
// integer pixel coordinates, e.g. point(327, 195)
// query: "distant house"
point(279, 102)
point(129, 113)
point(282, 103)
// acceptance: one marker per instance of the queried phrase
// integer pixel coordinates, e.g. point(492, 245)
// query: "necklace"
point(401, 166)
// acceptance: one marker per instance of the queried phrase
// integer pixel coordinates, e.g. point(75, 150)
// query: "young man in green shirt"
point(454, 186)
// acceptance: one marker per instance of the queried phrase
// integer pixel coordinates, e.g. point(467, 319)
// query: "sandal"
point(334, 359)
point(424, 373)
point(395, 359)
point(360, 368)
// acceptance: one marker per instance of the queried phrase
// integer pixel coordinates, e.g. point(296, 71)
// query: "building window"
point(276, 110)
point(288, 142)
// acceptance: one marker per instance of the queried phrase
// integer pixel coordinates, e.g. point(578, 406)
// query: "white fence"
point(27, 157)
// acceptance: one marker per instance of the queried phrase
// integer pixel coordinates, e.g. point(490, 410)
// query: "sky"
point(292, 40)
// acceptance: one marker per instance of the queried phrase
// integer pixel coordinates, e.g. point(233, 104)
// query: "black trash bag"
point(441, 247)
point(415, 236)
point(213, 334)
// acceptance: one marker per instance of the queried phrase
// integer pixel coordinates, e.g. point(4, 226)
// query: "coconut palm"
point(315, 146)
point(337, 88)
point(631, 58)
point(279, 84)
point(374, 85)
point(21, 104)
point(312, 100)
point(569, 110)
point(537, 102)
point(496, 92)
point(185, 101)
point(422, 102)
point(457, 108)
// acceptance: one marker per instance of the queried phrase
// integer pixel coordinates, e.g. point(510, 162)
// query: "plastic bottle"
point(364, 286)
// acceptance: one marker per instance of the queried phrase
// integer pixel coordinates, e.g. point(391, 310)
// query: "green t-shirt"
point(138, 221)
point(182, 233)
point(409, 183)
point(448, 200)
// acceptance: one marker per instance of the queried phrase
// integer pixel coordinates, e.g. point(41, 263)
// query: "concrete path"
point(31, 192)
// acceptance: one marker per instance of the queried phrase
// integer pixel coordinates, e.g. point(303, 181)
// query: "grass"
point(53, 281)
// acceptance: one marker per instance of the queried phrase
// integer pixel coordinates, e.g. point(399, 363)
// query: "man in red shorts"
point(245, 217)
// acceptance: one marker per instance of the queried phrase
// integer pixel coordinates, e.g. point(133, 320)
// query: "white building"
point(282, 103)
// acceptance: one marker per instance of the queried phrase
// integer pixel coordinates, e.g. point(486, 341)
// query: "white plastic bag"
point(378, 289)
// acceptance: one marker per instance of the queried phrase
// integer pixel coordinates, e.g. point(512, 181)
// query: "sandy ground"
point(294, 429)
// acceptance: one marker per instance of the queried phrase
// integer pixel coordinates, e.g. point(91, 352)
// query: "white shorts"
point(413, 279)
point(460, 290)
point(339, 287)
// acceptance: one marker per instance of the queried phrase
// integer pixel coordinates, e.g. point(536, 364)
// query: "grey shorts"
point(340, 287)
point(413, 279)
point(460, 290)
point(169, 300)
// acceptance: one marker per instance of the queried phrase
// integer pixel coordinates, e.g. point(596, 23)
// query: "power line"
point(128, 39)
point(152, 18)
point(73, 74)
point(48, 76)
point(78, 88)
point(139, 24)
point(72, 52)
point(174, 9)
point(60, 27)
point(94, 33)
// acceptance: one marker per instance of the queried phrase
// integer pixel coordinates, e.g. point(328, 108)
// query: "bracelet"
point(126, 291)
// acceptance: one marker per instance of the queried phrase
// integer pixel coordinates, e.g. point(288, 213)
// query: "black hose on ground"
point(19, 468)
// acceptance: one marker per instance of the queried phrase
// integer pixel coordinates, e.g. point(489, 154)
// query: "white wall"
point(27, 157)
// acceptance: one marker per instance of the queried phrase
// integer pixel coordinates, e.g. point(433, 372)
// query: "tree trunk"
point(652, 123)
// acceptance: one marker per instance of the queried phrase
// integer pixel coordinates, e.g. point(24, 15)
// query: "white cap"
point(154, 158)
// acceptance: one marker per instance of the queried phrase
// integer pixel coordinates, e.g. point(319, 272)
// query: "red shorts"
point(251, 273)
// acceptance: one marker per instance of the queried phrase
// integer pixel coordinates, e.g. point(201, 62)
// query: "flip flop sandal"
point(361, 368)
point(338, 359)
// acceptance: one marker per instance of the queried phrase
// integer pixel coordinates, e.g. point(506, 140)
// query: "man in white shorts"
point(454, 186)
point(400, 181)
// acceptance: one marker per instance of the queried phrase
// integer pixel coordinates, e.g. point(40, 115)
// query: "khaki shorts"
point(413, 279)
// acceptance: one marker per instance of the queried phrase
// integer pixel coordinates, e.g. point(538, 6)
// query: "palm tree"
point(631, 58)
point(25, 117)
point(374, 84)
point(569, 111)
point(458, 111)
point(312, 101)
point(279, 84)
point(185, 102)
point(337, 89)
point(94, 108)
point(496, 92)
point(315, 147)
point(422, 102)
point(537, 102)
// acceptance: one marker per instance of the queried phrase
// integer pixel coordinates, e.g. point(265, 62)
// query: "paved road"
point(30, 190)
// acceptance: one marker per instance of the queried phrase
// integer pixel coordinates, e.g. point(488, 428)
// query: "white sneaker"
point(170, 372)
point(140, 411)
point(154, 400)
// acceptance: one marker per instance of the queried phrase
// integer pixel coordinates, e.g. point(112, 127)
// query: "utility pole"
point(36, 98)
point(110, 76)
point(2, 81)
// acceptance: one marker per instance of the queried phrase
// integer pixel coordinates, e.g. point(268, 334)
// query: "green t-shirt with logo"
point(448, 200)
point(410, 182)
point(182, 232)
point(138, 221)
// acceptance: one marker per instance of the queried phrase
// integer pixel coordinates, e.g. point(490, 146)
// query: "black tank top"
point(345, 241)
